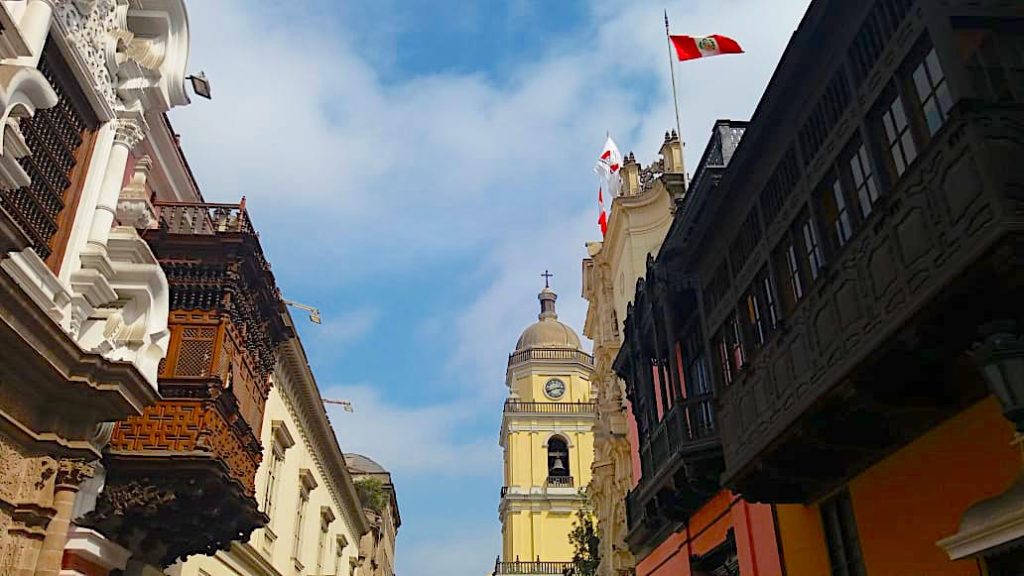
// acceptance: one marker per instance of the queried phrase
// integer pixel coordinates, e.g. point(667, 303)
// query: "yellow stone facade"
point(638, 222)
point(547, 438)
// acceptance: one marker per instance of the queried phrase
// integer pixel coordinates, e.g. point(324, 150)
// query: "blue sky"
point(413, 166)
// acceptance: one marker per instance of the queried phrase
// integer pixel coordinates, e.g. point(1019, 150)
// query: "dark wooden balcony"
point(680, 462)
point(538, 567)
point(188, 464)
point(875, 353)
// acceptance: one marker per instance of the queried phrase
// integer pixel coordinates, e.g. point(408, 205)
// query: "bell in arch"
point(558, 467)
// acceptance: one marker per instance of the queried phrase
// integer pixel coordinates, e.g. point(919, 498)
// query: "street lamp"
point(314, 313)
point(1000, 357)
point(200, 85)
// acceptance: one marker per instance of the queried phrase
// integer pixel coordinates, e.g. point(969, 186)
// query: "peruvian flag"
point(602, 220)
point(692, 47)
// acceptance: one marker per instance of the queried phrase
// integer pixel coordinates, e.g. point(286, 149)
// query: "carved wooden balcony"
point(680, 462)
point(181, 475)
point(874, 355)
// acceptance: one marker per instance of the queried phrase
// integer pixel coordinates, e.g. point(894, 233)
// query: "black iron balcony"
point(565, 354)
point(873, 355)
point(560, 482)
point(534, 567)
point(568, 408)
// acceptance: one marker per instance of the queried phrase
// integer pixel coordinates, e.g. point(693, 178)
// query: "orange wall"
point(907, 502)
point(755, 539)
point(912, 499)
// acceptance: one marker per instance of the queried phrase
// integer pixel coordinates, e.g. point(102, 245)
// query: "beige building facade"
point(380, 504)
point(638, 222)
point(303, 485)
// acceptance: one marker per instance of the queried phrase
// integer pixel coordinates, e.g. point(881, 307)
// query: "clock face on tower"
point(554, 388)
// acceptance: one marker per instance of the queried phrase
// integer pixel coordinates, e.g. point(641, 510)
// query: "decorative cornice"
point(302, 399)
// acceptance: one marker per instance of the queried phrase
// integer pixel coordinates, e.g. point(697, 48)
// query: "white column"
point(35, 28)
point(128, 133)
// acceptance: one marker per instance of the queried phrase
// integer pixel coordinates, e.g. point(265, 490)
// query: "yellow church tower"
point(548, 442)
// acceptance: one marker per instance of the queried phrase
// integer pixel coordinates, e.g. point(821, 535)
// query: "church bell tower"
point(547, 439)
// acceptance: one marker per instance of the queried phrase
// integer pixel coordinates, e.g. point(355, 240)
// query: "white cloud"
point(417, 442)
point(350, 327)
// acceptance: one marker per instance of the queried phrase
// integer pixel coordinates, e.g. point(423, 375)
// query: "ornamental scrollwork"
point(90, 27)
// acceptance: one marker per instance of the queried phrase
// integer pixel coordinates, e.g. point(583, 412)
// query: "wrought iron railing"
point(560, 482)
point(516, 407)
point(569, 354)
point(534, 567)
point(504, 491)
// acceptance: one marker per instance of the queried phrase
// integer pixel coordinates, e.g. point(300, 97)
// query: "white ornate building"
point(139, 325)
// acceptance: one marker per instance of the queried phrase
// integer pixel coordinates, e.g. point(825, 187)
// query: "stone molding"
point(302, 398)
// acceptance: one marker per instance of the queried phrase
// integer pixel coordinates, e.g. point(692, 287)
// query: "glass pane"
point(945, 100)
point(932, 60)
point(899, 115)
point(932, 116)
point(858, 176)
point(921, 82)
point(908, 146)
point(890, 130)
point(897, 157)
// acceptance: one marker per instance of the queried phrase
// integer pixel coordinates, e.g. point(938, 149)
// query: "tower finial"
point(547, 298)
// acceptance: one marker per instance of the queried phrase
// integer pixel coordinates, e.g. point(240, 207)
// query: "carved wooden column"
point(70, 474)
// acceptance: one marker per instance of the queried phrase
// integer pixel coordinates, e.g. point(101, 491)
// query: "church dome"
point(547, 331)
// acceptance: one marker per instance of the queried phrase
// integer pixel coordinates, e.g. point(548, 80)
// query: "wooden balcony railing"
point(203, 218)
point(516, 407)
point(534, 567)
point(561, 482)
point(190, 429)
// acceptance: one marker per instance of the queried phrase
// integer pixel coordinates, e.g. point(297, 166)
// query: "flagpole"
point(675, 95)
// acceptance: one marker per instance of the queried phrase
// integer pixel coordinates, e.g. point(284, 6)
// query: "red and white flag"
point(692, 47)
point(610, 161)
point(602, 219)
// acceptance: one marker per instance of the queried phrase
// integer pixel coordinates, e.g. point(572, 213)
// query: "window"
point(863, 180)
point(793, 269)
point(841, 536)
point(558, 458)
point(339, 551)
point(898, 137)
point(995, 62)
point(812, 251)
point(300, 521)
point(273, 473)
point(932, 91)
point(724, 364)
point(833, 202)
point(326, 517)
point(307, 482)
point(769, 299)
point(700, 416)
